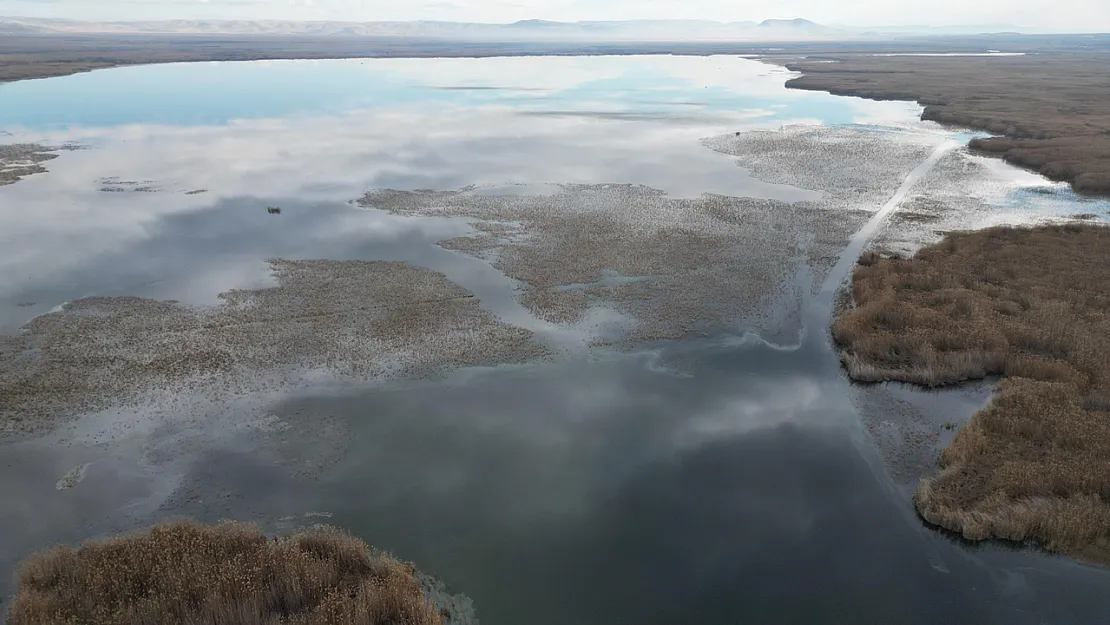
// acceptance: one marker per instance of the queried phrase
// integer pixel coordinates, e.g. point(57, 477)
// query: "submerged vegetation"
point(231, 574)
point(1029, 304)
point(21, 160)
point(673, 266)
point(359, 320)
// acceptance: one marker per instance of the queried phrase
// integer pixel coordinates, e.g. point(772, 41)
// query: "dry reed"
point(1029, 304)
point(230, 574)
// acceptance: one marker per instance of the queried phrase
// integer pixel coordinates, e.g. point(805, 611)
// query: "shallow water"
point(275, 138)
point(716, 480)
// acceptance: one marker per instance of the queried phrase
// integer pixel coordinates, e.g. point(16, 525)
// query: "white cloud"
point(1078, 15)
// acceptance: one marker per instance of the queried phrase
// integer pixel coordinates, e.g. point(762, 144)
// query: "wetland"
point(553, 329)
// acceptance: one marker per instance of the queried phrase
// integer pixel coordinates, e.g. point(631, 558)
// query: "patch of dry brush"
point(1030, 304)
point(229, 574)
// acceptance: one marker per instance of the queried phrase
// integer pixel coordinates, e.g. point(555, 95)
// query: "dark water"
point(703, 482)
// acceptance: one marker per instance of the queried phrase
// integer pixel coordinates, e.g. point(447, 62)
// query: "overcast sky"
point(1073, 15)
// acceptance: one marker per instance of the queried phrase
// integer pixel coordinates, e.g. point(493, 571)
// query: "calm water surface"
point(723, 480)
point(311, 136)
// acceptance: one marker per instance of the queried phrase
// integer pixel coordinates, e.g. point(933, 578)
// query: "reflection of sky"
point(734, 493)
point(708, 483)
point(314, 134)
point(730, 490)
point(1021, 196)
point(215, 93)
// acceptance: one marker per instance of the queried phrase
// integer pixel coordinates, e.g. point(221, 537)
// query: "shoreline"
point(53, 56)
point(994, 95)
point(1017, 99)
point(1062, 524)
point(1021, 470)
point(40, 56)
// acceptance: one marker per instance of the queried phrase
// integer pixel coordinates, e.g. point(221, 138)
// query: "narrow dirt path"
point(851, 253)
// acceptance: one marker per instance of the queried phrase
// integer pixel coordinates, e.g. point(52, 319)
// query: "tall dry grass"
point(1030, 304)
point(230, 574)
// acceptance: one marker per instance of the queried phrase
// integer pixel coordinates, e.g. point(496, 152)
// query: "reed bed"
point(232, 574)
point(1031, 305)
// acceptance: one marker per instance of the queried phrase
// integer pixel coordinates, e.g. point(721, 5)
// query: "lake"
point(676, 444)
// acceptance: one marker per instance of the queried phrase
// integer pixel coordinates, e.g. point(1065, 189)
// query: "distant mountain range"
point(528, 30)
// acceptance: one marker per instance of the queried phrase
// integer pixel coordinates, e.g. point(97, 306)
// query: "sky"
point(1031, 15)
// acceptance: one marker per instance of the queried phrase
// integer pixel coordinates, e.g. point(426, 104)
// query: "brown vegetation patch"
point(1032, 305)
point(357, 320)
point(556, 305)
point(711, 263)
point(1047, 108)
point(230, 574)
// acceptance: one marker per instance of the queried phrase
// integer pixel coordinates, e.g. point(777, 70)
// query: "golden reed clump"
point(231, 574)
point(1029, 304)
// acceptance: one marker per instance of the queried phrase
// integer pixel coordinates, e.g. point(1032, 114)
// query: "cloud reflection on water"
point(617, 490)
point(600, 120)
point(653, 490)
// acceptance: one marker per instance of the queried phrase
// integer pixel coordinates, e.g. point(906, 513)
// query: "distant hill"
point(797, 22)
point(527, 30)
point(17, 28)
